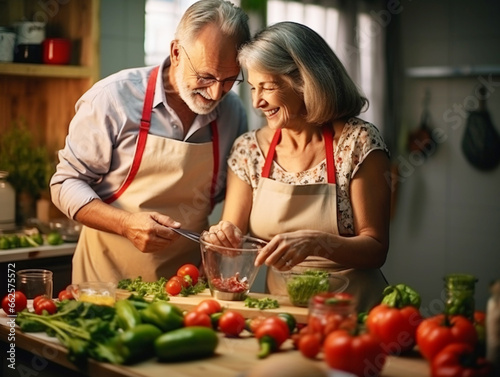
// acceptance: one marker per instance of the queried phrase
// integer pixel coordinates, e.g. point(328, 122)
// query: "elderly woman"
point(313, 180)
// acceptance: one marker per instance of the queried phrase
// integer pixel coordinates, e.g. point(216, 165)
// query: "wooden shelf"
point(49, 71)
point(42, 97)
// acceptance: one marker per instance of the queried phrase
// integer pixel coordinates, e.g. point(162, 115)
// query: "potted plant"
point(29, 168)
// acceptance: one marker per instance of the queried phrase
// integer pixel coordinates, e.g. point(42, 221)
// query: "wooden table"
point(233, 356)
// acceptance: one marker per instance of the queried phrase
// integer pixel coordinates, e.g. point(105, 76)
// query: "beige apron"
point(280, 207)
point(169, 176)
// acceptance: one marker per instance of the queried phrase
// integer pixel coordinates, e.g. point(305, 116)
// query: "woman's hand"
point(225, 233)
point(288, 249)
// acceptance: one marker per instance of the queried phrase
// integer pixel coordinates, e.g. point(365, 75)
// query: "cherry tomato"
point(46, 304)
point(65, 295)
point(185, 283)
point(195, 318)
point(173, 287)
point(14, 302)
point(37, 299)
point(309, 345)
point(232, 323)
point(189, 270)
point(209, 306)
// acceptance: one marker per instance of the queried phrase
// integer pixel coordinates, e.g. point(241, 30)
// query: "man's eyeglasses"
point(227, 84)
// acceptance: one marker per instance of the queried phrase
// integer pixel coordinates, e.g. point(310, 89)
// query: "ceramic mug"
point(96, 292)
point(56, 51)
point(7, 43)
point(30, 32)
point(28, 53)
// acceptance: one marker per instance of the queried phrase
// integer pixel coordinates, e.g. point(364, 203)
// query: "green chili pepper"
point(214, 318)
point(127, 315)
point(188, 343)
point(163, 315)
point(289, 320)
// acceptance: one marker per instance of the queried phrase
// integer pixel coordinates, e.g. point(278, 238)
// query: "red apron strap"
point(147, 109)
point(330, 158)
point(215, 146)
point(270, 153)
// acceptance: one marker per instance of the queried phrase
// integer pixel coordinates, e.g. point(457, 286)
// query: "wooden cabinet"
point(42, 96)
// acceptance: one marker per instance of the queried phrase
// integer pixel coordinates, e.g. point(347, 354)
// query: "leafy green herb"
point(141, 288)
point(28, 164)
point(15, 241)
point(262, 303)
point(80, 326)
point(401, 295)
point(302, 287)
point(156, 289)
point(54, 238)
point(199, 287)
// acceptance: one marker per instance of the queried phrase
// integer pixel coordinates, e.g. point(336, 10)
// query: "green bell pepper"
point(165, 316)
point(127, 315)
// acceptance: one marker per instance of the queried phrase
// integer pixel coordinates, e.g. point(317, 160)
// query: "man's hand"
point(149, 231)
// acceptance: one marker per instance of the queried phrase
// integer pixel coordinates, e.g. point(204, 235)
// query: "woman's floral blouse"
point(357, 140)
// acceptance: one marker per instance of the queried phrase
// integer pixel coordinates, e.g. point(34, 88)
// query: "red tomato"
point(435, 333)
point(361, 355)
point(309, 345)
point(189, 270)
point(395, 327)
point(65, 295)
point(45, 304)
point(480, 317)
point(232, 323)
point(173, 286)
point(14, 302)
point(459, 359)
point(195, 318)
point(252, 324)
point(37, 299)
point(209, 306)
point(184, 283)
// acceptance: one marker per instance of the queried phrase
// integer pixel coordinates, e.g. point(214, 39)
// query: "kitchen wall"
point(448, 212)
point(122, 35)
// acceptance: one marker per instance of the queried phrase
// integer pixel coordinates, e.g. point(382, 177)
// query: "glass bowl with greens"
point(302, 285)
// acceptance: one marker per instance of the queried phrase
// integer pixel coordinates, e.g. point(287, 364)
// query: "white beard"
point(190, 97)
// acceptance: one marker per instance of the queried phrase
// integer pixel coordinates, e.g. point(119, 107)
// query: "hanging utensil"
point(481, 142)
point(421, 140)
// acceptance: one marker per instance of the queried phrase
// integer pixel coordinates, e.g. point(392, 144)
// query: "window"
point(352, 33)
point(162, 17)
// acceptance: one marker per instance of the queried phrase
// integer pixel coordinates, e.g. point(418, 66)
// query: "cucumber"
point(187, 343)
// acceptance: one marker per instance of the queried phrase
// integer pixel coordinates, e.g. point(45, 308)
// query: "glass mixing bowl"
point(230, 272)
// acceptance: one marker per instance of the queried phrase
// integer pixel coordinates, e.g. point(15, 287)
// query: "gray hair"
point(232, 21)
point(303, 58)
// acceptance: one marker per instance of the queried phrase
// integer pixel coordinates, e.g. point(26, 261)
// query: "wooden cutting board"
point(190, 302)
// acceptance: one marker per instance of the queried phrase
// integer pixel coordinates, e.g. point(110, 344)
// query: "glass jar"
point(7, 203)
point(331, 311)
point(460, 290)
